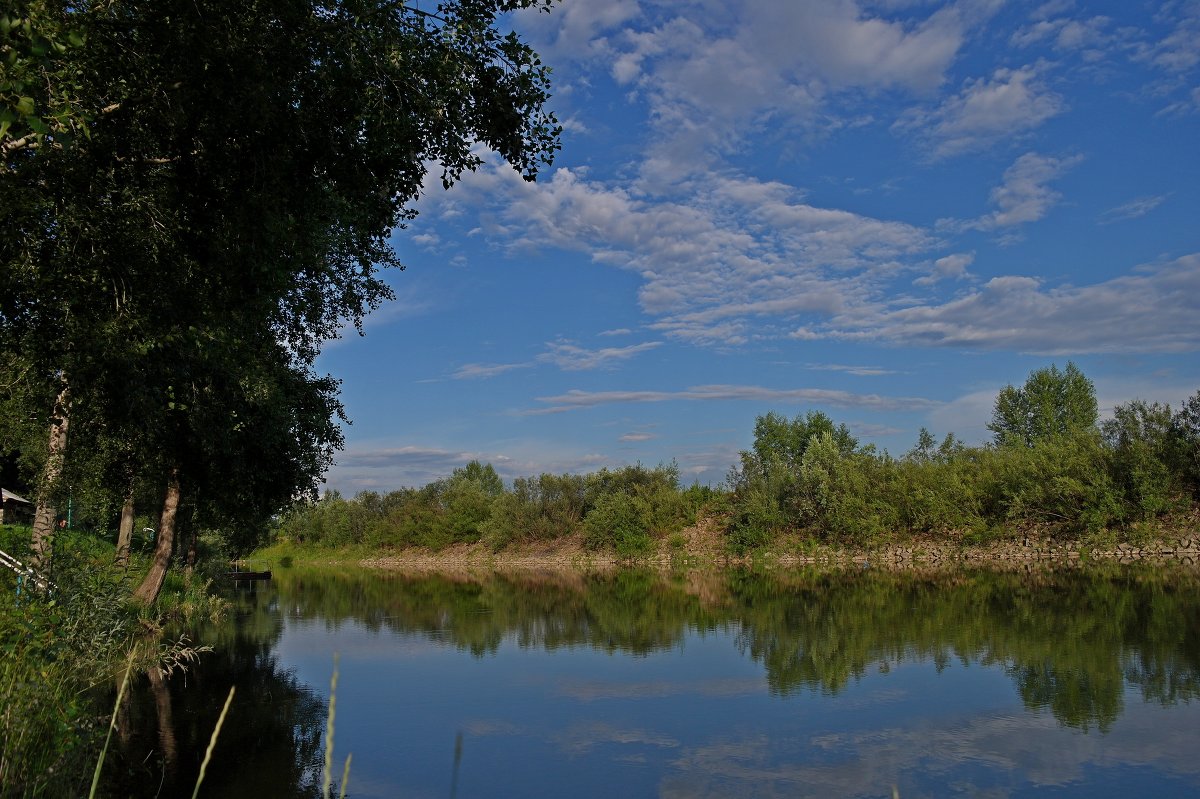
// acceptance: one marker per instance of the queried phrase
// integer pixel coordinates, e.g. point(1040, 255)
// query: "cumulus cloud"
point(1153, 310)
point(986, 111)
point(736, 250)
point(1024, 195)
point(712, 74)
point(949, 267)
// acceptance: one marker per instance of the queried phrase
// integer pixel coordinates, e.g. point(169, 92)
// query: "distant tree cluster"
point(624, 510)
point(1051, 466)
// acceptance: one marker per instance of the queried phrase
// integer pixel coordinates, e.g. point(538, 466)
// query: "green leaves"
point(39, 96)
point(1051, 403)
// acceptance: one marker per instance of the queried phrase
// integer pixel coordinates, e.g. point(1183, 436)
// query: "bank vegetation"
point(1053, 470)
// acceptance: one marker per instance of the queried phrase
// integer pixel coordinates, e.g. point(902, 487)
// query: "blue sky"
point(885, 210)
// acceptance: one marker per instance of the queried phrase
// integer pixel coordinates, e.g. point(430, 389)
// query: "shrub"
point(617, 521)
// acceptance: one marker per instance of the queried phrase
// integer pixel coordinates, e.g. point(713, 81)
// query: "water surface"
point(1051, 682)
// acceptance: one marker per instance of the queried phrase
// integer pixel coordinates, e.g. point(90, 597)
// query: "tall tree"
point(244, 168)
point(1051, 403)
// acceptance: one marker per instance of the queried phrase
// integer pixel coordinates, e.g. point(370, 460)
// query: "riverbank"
point(703, 546)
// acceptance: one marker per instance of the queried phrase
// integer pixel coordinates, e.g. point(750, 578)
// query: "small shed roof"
point(6, 496)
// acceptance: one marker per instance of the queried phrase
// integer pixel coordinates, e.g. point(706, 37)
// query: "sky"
point(883, 210)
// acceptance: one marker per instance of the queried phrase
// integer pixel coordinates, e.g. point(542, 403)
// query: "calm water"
point(1054, 683)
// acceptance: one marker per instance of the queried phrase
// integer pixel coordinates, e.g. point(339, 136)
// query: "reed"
point(212, 742)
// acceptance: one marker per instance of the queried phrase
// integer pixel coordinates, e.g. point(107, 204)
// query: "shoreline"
point(702, 553)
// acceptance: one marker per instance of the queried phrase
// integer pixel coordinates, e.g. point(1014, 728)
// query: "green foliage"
point(1051, 403)
point(1064, 481)
point(243, 168)
point(616, 522)
point(1145, 451)
point(779, 440)
point(1186, 427)
point(1054, 471)
point(52, 647)
point(39, 93)
point(1051, 469)
point(631, 508)
point(538, 508)
point(839, 493)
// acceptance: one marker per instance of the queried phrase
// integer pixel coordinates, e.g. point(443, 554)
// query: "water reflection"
point(273, 734)
point(1070, 639)
point(939, 682)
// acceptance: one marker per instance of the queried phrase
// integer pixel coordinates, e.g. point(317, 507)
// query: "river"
point(1046, 681)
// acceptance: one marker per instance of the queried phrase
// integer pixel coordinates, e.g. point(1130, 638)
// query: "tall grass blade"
point(212, 743)
point(325, 784)
point(112, 725)
point(345, 777)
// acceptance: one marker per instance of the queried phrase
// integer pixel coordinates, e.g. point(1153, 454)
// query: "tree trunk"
point(166, 724)
point(42, 542)
point(147, 592)
point(125, 530)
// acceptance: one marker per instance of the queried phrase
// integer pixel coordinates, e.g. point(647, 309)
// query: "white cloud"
point(1137, 207)
point(387, 468)
point(1065, 34)
point(476, 371)
point(1025, 195)
point(735, 250)
point(1177, 52)
point(630, 438)
point(577, 29)
point(620, 331)
point(1153, 310)
point(1189, 105)
point(713, 74)
point(951, 266)
point(573, 358)
point(575, 399)
point(986, 111)
point(860, 371)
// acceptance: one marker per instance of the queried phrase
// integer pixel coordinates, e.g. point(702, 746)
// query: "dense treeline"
point(1052, 466)
point(626, 510)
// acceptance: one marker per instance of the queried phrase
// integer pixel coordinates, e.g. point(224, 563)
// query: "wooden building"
point(14, 509)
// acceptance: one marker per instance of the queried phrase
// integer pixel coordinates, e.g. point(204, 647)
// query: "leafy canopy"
point(1052, 403)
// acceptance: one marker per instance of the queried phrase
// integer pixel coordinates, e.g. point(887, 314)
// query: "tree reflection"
point(270, 744)
point(1072, 640)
